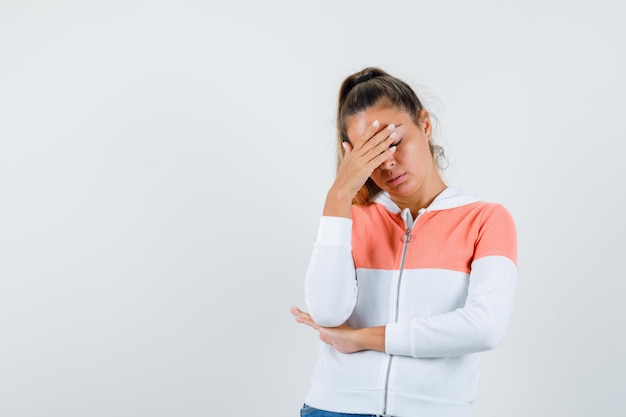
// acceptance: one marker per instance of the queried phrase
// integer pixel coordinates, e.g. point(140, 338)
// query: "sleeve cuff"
point(398, 339)
point(335, 231)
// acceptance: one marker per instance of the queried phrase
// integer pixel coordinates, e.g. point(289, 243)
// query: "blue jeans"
point(308, 411)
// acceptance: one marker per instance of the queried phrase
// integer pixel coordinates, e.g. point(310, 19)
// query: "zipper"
point(406, 238)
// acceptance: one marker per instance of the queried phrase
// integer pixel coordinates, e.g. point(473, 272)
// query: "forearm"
point(346, 339)
point(480, 325)
point(330, 283)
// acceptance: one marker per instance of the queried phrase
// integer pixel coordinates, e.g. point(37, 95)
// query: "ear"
point(423, 120)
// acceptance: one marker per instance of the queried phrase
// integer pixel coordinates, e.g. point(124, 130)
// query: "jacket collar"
point(450, 197)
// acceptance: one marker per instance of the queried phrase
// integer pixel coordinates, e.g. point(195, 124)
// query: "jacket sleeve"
point(481, 323)
point(330, 283)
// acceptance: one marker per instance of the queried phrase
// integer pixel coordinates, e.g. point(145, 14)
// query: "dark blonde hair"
point(367, 88)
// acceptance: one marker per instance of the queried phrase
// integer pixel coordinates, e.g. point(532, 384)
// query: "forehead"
point(357, 124)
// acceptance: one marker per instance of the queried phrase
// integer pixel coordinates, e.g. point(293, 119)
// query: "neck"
point(427, 194)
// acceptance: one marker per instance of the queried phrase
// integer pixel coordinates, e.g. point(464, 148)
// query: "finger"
point(309, 322)
point(295, 310)
point(379, 141)
point(381, 147)
point(376, 161)
point(347, 147)
point(370, 131)
point(305, 318)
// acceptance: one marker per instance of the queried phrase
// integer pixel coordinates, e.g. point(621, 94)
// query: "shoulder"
point(465, 201)
point(496, 213)
point(497, 234)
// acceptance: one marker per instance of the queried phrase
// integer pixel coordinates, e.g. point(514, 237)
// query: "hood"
point(450, 197)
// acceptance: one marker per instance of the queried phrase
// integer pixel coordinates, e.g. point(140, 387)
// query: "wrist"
point(338, 204)
point(372, 338)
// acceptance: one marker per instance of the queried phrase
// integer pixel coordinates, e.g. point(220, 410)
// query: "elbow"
point(328, 320)
point(327, 315)
point(489, 326)
point(331, 309)
point(490, 338)
point(491, 341)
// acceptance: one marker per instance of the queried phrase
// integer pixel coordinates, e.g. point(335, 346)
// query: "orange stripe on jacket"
point(443, 239)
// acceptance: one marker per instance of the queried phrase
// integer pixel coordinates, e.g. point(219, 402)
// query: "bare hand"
point(344, 338)
point(364, 157)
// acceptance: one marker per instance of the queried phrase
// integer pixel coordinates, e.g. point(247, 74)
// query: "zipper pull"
point(408, 221)
point(407, 236)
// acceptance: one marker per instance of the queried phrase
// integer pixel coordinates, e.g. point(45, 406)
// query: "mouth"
point(395, 180)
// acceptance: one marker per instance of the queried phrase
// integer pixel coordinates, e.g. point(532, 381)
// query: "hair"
point(367, 88)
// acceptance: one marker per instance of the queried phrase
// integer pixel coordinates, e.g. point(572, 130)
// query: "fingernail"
point(391, 126)
point(376, 123)
point(393, 135)
point(392, 149)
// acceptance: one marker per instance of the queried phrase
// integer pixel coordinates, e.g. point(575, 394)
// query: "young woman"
point(409, 279)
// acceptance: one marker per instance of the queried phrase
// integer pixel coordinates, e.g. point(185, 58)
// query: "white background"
point(163, 165)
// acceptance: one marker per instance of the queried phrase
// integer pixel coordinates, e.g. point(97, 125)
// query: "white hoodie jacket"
point(443, 284)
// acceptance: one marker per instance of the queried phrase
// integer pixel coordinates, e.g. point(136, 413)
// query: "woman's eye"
point(396, 143)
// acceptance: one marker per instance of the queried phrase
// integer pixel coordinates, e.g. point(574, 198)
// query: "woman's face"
point(410, 171)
